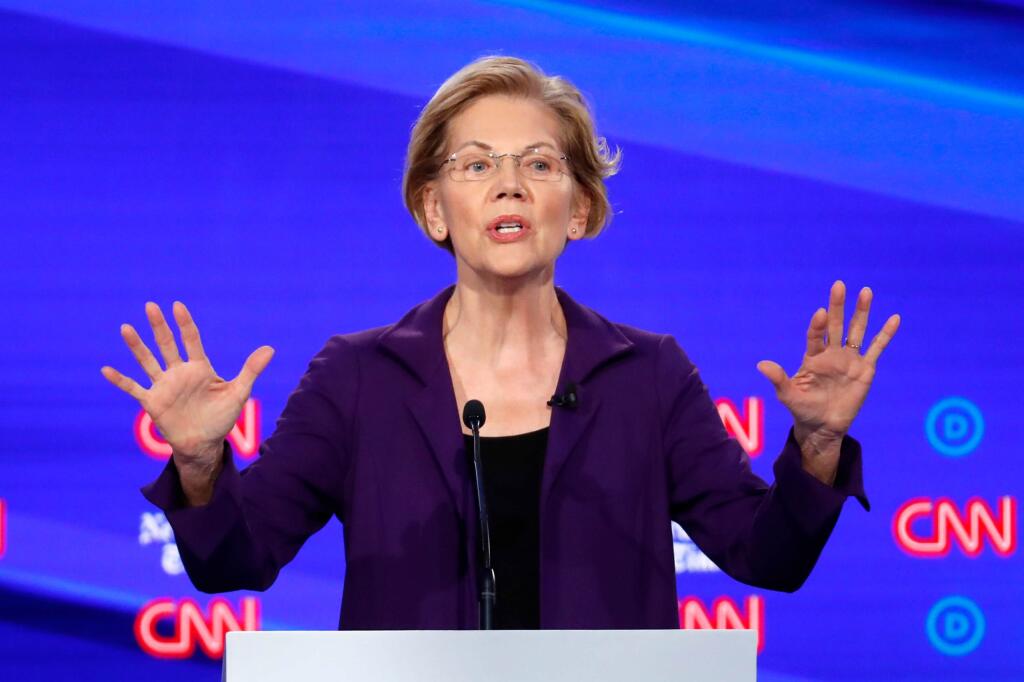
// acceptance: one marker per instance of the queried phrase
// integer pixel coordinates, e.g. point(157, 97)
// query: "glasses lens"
point(538, 165)
point(471, 166)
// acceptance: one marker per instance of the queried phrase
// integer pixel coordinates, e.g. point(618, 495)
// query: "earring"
point(574, 230)
point(440, 229)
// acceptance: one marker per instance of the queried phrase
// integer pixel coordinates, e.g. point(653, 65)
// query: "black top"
point(512, 467)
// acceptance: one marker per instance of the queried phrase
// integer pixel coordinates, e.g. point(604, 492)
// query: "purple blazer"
point(372, 435)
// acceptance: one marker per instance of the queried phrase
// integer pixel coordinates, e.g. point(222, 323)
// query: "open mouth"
point(509, 228)
point(508, 224)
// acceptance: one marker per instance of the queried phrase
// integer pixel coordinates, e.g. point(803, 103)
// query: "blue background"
point(247, 160)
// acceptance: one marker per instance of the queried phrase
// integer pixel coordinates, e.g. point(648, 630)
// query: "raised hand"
point(827, 392)
point(192, 406)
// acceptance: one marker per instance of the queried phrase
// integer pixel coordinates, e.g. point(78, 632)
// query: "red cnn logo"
point(968, 529)
point(747, 428)
point(244, 436)
point(191, 625)
point(726, 614)
point(3, 527)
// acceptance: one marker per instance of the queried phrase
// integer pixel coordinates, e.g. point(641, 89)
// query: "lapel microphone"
point(566, 398)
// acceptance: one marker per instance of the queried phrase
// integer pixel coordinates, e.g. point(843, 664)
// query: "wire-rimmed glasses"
point(535, 163)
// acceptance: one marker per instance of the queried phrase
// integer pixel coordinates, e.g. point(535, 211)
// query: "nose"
point(507, 182)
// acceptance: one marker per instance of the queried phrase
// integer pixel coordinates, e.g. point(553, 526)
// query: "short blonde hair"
point(590, 161)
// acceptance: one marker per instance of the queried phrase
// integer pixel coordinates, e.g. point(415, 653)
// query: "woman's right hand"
point(193, 408)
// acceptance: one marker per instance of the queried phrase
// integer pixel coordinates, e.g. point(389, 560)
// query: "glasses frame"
point(497, 159)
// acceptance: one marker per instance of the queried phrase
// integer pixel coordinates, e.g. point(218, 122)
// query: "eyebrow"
point(484, 145)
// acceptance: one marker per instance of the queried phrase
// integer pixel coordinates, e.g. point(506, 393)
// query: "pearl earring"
point(440, 229)
point(574, 230)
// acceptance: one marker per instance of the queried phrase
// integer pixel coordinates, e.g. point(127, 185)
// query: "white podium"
point(492, 656)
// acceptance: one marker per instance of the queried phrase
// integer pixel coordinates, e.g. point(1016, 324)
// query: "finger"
point(816, 332)
point(859, 321)
point(836, 301)
point(124, 383)
point(253, 367)
point(882, 339)
point(162, 334)
point(141, 351)
point(775, 374)
point(189, 332)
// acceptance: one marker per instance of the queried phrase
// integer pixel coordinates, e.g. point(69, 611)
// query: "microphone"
point(566, 399)
point(473, 417)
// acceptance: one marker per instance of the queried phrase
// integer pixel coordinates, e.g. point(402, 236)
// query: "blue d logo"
point(955, 626)
point(954, 426)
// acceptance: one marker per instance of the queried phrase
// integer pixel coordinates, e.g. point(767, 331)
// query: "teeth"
point(505, 229)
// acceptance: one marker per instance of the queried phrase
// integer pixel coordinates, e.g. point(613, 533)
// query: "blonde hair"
point(590, 161)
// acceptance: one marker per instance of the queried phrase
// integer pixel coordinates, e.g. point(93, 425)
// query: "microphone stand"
point(473, 416)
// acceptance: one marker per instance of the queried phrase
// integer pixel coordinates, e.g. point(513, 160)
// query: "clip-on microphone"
point(566, 399)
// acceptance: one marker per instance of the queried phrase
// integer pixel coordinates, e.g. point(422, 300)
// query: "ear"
point(437, 226)
point(580, 216)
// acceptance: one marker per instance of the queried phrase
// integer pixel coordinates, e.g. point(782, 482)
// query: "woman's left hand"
point(828, 390)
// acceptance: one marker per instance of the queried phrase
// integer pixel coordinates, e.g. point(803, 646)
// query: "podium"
point(494, 656)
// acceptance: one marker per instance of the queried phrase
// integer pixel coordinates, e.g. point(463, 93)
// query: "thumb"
point(253, 367)
point(774, 373)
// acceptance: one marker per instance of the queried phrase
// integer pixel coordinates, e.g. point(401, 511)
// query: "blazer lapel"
point(437, 415)
point(592, 342)
point(567, 427)
point(416, 342)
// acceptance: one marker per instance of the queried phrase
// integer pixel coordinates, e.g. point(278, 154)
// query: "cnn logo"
point(191, 626)
point(244, 436)
point(950, 526)
point(747, 427)
point(3, 527)
point(724, 614)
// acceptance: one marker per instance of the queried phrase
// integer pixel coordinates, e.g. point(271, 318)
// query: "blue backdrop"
point(247, 160)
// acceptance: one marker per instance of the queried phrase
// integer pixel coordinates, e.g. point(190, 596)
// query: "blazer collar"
point(416, 340)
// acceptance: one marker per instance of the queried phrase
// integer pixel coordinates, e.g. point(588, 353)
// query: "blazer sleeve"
point(257, 519)
point(766, 536)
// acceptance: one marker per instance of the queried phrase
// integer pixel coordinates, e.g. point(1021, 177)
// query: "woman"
point(503, 170)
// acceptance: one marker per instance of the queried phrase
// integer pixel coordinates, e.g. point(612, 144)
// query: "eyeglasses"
point(533, 164)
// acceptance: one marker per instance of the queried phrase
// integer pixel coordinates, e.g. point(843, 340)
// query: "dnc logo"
point(954, 426)
point(955, 626)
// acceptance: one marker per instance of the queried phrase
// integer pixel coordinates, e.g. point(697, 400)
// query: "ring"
point(852, 345)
